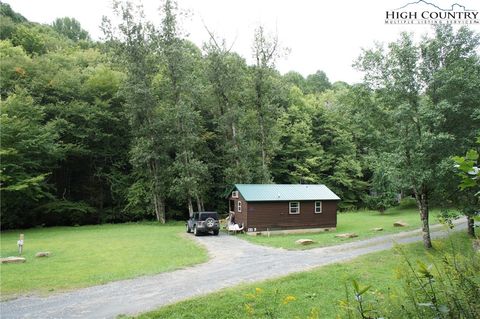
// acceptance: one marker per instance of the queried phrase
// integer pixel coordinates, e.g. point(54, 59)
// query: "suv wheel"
point(210, 222)
point(215, 232)
point(188, 229)
point(195, 231)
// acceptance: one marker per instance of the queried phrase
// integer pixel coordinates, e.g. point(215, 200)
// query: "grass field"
point(91, 255)
point(360, 222)
point(321, 288)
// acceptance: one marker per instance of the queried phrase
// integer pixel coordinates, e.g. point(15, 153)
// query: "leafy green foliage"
point(415, 87)
point(469, 171)
point(446, 287)
point(317, 83)
point(146, 123)
point(29, 149)
point(70, 28)
point(384, 192)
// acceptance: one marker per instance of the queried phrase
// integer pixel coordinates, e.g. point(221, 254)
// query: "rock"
point(13, 260)
point(377, 229)
point(42, 254)
point(346, 235)
point(400, 224)
point(304, 242)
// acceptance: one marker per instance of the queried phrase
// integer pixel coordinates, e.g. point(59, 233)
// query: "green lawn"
point(321, 288)
point(92, 255)
point(360, 222)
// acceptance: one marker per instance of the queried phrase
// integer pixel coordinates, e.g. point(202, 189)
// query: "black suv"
point(203, 222)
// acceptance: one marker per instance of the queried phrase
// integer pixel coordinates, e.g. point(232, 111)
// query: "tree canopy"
point(146, 125)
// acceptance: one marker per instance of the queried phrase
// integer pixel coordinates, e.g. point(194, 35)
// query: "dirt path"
point(229, 255)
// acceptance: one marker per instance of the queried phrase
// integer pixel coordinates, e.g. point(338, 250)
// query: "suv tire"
point(188, 229)
point(215, 232)
point(195, 231)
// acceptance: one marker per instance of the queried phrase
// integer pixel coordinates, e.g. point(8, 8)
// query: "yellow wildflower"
point(250, 296)
point(288, 299)
point(249, 309)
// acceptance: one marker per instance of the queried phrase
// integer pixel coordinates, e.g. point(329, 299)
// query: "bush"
point(64, 212)
point(407, 203)
point(446, 289)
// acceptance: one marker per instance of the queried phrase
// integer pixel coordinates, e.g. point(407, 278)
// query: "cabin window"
point(294, 208)
point(239, 206)
point(318, 207)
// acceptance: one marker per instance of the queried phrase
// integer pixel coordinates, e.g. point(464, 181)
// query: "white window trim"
point(239, 206)
point(290, 208)
point(321, 208)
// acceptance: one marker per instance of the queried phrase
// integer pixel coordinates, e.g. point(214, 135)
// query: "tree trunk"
point(471, 226)
point(422, 202)
point(159, 204)
point(190, 207)
point(199, 203)
point(158, 200)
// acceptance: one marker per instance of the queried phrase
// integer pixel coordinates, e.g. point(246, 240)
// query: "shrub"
point(407, 203)
point(446, 289)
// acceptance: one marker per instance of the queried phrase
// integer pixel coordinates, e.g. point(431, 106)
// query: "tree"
point(229, 81)
point(70, 28)
point(317, 83)
point(383, 193)
point(181, 90)
point(29, 150)
point(296, 79)
point(317, 147)
point(265, 52)
point(135, 44)
point(419, 138)
point(468, 167)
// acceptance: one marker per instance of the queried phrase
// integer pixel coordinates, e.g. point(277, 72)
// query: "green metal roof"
point(285, 192)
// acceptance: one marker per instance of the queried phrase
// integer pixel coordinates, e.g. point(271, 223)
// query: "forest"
point(144, 124)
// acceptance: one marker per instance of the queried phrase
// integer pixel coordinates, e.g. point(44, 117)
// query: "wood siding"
point(275, 215)
point(240, 217)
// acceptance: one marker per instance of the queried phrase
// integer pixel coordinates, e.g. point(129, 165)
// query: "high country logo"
point(423, 12)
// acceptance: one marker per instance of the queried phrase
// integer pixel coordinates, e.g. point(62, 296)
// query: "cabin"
point(283, 207)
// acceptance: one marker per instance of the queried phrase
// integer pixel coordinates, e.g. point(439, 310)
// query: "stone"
point(400, 224)
point(42, 254)
point(12, 260)
point(346, 235)
point(377, 229)
point(304, 242)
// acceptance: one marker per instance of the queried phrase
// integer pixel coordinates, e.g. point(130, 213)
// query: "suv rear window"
point(204, 216)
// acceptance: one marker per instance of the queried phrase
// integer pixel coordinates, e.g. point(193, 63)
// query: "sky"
point(320, 35)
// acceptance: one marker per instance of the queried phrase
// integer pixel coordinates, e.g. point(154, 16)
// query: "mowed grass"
point(358, 222)
point(92, 255)
point(321, 288)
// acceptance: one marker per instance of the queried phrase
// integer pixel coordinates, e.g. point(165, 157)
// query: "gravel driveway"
point(229, 254)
